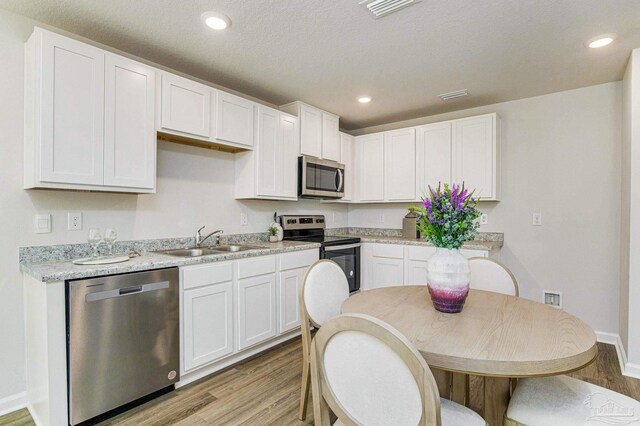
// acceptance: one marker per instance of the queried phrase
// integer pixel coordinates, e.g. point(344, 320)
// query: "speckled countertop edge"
point(65, 270)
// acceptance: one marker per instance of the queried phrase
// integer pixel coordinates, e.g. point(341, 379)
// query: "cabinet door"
point(386, 272)
point(346, 158)
point(208, 324)
point(330, 137)
point(310, 131)
point(186, 106)
point(234, 119)
point(256, 310)
point(72, 111)
point(289, 149)
point(370, 156)
point(415, 272)
point(474, 156)
point(289, 286)
point(129, 133)
point(400, 165)
point(269, 158)
point(433, 153)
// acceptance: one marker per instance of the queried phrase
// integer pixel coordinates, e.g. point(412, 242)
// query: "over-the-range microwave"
point(322, 179)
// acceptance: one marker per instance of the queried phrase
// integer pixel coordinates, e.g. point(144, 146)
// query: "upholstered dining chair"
point(324, 288)
point(491, 275)
point(563, 400)
point(367, 373)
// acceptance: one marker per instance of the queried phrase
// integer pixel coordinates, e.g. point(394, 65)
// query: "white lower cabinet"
point(230, 310)
point(386, 265)
point(207, 313)
point(256, 310)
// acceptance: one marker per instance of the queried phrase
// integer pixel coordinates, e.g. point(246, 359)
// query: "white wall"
point(630, 224)
point(560, 157)
point(195, 187)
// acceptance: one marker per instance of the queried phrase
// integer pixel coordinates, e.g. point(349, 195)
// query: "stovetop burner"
point(311, 228)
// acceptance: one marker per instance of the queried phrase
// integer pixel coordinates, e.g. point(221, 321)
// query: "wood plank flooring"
point(265, 390)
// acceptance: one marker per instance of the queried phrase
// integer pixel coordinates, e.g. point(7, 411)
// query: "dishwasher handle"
point(127, 291)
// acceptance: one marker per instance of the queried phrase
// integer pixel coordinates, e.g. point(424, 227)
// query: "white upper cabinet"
point(476, 158)
point(268, 151)
point(400, 165)
point(289, 152)
point(319, 131)
point(370, 157)
point(330, 136)
point(186, 106)
point(465, 150)
point(346, 157)
point(89, 118)
point(129, 131)
point(433, 156)
point(234, 119)
point(310, 131)
point(270, 171)
point(71, 110)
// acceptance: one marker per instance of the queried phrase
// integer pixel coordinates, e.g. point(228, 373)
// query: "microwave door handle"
point(340, 179)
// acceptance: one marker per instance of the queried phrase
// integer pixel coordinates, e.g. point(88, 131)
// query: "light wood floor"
point(265, 391)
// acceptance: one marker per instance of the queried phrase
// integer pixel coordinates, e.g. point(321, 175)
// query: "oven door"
point(348, 258)
point(320, 178)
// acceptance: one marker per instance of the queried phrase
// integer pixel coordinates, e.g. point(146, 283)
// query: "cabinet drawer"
point(199, 275)
point(420, 252)
point(469, 253)
point(392, 251)
point(300, 259)
point(256, 266)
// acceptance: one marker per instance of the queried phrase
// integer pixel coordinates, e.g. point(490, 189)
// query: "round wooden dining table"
point(496, 336)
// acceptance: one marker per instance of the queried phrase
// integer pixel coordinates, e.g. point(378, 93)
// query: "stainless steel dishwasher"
point(123, 340)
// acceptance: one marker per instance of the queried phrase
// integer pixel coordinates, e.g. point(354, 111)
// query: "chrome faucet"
point(200, 239)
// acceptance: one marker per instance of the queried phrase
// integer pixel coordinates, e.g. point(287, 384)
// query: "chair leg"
point(304, 391)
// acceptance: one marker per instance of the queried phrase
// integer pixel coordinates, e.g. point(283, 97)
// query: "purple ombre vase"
point(448, 277)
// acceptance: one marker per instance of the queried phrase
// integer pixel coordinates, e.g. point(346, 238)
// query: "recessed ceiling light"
point(216, 20)
point(364, 99)
point(601, 41)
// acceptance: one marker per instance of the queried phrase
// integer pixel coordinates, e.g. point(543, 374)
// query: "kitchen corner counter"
point(61, 270)
point(472, 245)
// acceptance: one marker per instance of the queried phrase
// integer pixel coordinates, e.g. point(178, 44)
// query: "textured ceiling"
point(328, 52)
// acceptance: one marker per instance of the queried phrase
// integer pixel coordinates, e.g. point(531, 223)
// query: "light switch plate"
point(42, 223)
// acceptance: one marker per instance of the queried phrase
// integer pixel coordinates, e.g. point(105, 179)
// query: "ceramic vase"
point(448, 277)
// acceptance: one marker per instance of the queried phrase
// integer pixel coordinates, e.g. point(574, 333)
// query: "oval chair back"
point(367, 373)
point(323, 290)
point(488, 274)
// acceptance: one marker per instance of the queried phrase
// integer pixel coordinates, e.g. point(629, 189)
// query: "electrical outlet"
point(74, 221)
point(381, 217)
point(536, 219)
point(244, 219)
point(552, 298)
point(484, 219)
point(42, 223)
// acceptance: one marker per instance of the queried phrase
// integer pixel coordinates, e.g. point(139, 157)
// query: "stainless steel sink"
point(233, 248)
point(205, 251)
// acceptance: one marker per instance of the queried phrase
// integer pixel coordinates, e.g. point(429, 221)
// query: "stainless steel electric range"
point(345, 251)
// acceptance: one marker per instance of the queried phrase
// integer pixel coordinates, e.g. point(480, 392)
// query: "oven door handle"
point(345, 247)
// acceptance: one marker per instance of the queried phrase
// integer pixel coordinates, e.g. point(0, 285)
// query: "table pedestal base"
point(497, 391)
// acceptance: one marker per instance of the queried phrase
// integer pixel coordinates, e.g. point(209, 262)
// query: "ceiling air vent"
point(453, 95)
point(381, 8)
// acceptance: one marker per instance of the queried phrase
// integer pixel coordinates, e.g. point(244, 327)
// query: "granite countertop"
point(484, 240)
point(473, 245)
point(60, 270)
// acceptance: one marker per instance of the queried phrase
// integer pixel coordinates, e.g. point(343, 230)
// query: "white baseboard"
point(628, 369)
point(13, 403)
